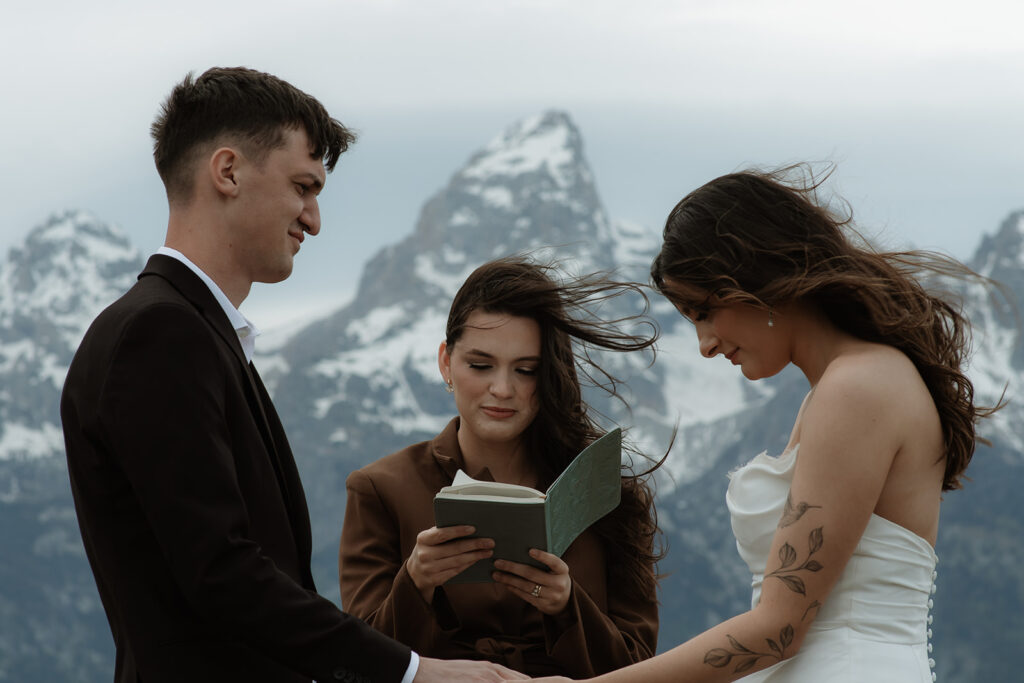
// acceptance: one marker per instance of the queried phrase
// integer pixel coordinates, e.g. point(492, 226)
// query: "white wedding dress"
point(875, 626)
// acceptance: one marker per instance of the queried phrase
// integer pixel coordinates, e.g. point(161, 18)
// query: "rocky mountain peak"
point(546, 146)
point(1002, 252)
point(66, 269)
point(529, 189)
point(373, 369)
point(51, 287)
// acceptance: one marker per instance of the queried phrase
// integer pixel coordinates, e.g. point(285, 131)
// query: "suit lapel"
point(289, 474)
point(199, 295)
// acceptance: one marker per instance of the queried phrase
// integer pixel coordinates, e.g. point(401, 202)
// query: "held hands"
point(464, 671)
point(548, 591)
point(438, 556)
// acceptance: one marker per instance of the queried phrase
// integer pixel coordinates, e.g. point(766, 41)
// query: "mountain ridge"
point(362, 382)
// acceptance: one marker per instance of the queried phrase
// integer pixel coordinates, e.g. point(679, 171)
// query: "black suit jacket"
point(190, 505)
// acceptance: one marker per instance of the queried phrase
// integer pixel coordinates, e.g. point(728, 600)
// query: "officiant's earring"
point(449, 387)
point(771, 318)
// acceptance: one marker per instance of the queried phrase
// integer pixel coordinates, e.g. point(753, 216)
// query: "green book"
point(519, 518)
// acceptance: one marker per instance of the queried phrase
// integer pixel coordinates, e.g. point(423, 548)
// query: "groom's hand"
point(463, 671)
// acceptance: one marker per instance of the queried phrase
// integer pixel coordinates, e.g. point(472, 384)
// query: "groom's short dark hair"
point(238, 106)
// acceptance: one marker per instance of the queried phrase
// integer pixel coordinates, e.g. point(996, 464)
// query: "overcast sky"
point(919, 103)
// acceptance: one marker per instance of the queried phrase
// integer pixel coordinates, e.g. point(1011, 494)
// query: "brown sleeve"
point(589, 642)
point(375, 585)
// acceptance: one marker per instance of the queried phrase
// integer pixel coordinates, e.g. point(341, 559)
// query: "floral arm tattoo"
point(746, 657)
point(788, 557)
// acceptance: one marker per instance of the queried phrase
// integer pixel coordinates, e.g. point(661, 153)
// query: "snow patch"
point(449, 282)
point(500, 197)
point(376, 324)
point(384, 365)
point(528, 148)
point(463, 216)
point(634, 244)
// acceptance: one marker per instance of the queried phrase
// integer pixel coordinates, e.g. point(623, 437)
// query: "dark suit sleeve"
point(375, 584)
point(164, 411)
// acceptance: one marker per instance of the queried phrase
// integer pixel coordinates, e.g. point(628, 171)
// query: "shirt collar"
point(448, 455)
point(246, 330)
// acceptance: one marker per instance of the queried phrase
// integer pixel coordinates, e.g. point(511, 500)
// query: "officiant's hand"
point(548, 591)
point(439, 554)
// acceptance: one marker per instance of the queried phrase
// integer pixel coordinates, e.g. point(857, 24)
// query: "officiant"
point(516, 338)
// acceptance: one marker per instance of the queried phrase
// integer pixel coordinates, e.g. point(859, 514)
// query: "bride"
point(838, 530)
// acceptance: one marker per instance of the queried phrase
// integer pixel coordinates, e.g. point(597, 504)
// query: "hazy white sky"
point(919, 102)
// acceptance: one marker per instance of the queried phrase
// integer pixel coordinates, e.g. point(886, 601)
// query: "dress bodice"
point(883, 595)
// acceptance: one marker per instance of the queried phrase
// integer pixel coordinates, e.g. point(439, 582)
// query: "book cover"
point(519, 518)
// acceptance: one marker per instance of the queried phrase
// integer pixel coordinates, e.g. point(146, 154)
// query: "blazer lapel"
point(198, 294)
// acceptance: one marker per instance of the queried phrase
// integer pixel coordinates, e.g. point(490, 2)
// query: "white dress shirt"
point(246, 331)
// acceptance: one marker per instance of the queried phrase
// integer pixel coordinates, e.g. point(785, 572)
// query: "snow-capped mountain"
point(363, 381)
point(530, 189)
point(998, 343)
point(50, 289)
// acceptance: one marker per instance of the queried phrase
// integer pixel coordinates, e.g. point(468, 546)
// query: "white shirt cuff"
point(414, 665)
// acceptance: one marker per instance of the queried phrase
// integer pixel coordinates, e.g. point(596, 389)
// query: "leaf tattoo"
point(787, 555)
point(786, 572)
point(791, 514)
point(815, 606)
point(746, 658)
point(793, 583)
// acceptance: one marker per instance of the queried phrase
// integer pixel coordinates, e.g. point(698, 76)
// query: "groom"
point(188, 498)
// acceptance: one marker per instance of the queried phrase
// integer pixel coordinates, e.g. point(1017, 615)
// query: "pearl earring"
point(449, 387)
point(771, 319)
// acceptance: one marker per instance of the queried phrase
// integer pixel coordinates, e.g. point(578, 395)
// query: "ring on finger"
point(536, 590)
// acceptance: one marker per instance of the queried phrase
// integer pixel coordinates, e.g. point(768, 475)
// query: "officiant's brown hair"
point(565, 311)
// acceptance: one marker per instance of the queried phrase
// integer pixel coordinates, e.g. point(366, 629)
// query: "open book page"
point(465, 486)
point(588, 489)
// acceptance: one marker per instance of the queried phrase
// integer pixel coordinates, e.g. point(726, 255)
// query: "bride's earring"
point(771, 318)
point(449, 387)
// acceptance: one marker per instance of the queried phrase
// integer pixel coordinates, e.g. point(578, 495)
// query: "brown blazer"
point(190, 505)
point(390, 501)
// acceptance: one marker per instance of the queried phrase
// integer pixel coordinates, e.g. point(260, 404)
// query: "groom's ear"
point(222, 171)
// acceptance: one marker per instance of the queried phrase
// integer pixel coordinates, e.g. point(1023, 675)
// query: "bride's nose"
point(707, 340)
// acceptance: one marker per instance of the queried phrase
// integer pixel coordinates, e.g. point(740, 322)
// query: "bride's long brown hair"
point(565, 310)
point(765, 239)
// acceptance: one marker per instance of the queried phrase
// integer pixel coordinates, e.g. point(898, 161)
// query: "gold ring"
point(536, 590)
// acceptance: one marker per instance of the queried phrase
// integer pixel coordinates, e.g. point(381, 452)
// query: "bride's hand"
point(548, 591)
